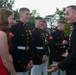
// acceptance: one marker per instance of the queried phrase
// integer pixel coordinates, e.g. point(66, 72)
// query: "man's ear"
point(75, 14)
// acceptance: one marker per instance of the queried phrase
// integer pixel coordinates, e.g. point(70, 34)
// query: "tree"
point(67, 30)
point(51, 19)
point(16, 14)
point(6, 4)
point(60, 14)
point(32, 17)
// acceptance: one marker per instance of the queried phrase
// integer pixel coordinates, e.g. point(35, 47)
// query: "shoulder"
point(54, 33)
point(28, 28)
point(14, 28)
point(3, 35)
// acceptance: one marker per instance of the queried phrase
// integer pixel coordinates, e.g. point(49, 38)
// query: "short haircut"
point(44, 21)
point(72, 6)
point(62, 22)
point(23, 9)
point(38, 18)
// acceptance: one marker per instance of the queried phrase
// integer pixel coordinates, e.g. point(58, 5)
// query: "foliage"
point(6, 4)
point(16, 14)
point(32, 17)
point(60, 14)
point(30, 24)
point(50, 18)
point(67, 30)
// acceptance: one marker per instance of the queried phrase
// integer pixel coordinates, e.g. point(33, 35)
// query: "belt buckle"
point(27, 48)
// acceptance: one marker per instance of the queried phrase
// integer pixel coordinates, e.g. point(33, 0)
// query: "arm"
point(71, 59)
point(4, 53)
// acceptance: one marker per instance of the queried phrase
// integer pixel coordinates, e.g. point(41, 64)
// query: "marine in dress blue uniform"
point(57, 48)
point(22, 44)
point(39, 51)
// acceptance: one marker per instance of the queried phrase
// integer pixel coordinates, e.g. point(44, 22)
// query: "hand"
point(44, 58)
point(28, 67)
point(54, 68)
point(31, 62)
point(9, 58)
point(65, 54)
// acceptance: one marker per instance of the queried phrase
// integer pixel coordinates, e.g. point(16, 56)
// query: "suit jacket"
point(70, 62)
point(22, 46)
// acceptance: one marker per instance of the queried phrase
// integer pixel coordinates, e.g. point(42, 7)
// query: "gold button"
point(56, 51)
point(18, 61)
point(24, 67)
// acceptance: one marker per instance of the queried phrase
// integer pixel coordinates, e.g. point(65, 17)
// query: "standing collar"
point(21, 23)
point(58, 30)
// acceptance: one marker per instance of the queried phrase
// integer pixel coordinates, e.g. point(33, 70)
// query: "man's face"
point(26, 16)
point(70, 15)
point(38, 23)
point(62, 26)
point(44, 25)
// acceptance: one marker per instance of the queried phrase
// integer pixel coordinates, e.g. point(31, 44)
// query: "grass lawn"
point(49, 72)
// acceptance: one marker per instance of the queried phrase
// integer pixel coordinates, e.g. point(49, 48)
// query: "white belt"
point(39, 47)
point(21, 47)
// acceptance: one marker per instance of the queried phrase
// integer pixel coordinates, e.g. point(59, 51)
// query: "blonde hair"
point(4, 14)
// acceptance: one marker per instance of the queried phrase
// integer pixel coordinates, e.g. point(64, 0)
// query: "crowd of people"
point(23, 49)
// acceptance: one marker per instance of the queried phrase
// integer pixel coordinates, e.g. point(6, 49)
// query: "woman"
point(6, 19)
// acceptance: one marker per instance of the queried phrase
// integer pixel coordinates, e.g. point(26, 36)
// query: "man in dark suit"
point(69, 63)
point(39, 52)
point(58, 45)
point(22, 43)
